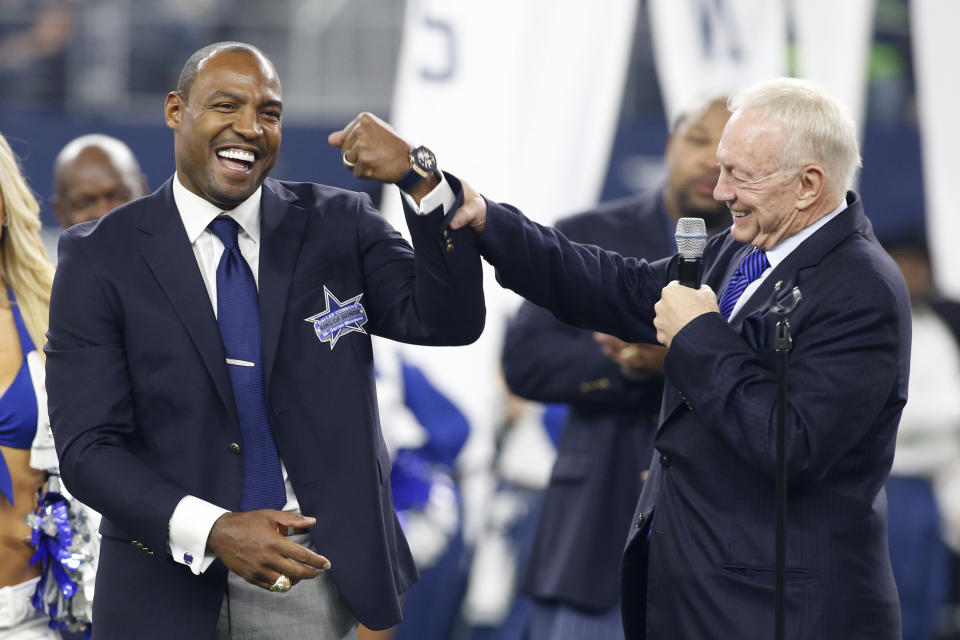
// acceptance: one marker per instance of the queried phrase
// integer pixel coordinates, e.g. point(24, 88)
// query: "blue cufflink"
point(188, 558)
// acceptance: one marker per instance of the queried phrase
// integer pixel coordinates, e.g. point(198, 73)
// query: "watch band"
point(409, 180)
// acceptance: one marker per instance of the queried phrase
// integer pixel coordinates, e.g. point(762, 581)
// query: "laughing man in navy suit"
point(700, 556)
point(211, 379)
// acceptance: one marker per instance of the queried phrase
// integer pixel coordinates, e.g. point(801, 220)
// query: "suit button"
point(449, 247)
point(234, 448)
point(665, 462)
point(640, 517)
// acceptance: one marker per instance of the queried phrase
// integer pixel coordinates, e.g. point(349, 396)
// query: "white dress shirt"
point(778, 254)
point(193, 518)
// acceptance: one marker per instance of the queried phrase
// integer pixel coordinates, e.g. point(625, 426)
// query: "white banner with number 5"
point(521, 99)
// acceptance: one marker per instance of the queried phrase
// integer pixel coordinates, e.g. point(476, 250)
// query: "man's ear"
point(173, 108)
point(812, 181)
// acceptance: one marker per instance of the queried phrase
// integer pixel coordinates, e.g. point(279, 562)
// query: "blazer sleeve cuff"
point(442, 195)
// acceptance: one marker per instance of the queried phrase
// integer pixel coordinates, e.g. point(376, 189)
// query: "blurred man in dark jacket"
point(613, 389)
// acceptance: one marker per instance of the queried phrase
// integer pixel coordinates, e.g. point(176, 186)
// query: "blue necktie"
point(238, 316)
point(749, 270)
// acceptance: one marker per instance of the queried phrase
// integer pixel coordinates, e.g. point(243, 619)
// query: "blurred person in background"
point(928, 450)
point(34, 37)
point(613, 389)
point(424, 432)
point(30, 494)
point(494, 606)
point(94, 174)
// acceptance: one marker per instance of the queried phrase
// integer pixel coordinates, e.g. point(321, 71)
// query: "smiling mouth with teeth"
point(237, 158)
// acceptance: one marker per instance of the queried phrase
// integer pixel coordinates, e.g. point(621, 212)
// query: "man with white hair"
point(94, 174)
point(699, 561)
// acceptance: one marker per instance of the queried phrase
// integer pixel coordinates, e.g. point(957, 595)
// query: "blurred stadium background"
point(71, 67)
point(551, 105)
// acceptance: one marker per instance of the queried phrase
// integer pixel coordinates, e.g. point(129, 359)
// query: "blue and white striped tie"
point(749, 270)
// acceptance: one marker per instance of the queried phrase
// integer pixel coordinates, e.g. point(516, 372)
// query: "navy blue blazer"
point(704, 568)
point(142, 407)
point(607, 441)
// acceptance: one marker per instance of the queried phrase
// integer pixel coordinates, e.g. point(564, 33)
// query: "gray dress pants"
point(312, 610)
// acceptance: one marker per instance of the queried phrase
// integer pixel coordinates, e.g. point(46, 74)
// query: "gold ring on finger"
point(630, 352)
point(282, 585)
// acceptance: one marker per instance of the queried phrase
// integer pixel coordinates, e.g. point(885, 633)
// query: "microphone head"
point(691, 237)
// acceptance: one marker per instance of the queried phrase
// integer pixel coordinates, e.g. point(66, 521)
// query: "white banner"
point(936, 50)
point(709, 47)
point(833, 52)
point(521, 99)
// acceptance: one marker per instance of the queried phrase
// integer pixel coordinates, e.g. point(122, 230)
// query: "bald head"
point(691, 161)
point(192, 66)
point(94, 174)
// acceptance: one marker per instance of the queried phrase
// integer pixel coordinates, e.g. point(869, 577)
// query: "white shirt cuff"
point(440, 195)
point(190, 526)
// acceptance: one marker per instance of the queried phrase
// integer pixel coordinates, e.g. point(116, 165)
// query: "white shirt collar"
point(197, 213)
point(786, 246)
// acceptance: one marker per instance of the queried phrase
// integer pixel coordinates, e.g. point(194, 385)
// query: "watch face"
point(425, 159)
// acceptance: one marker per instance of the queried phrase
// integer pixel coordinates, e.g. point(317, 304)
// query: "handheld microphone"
point(691, 240)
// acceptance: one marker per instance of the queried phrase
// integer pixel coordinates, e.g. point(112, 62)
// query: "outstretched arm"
point(582, 285)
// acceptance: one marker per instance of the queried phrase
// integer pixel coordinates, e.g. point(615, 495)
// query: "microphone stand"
point(783, 343)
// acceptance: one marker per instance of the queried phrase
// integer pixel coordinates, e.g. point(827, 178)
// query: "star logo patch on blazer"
point(338, 318)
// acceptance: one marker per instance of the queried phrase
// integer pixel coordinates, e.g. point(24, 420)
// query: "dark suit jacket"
point(607, 440)
point(142, 405)
point(706, 569)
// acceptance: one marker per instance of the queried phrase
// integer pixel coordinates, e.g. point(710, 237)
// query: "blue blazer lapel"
point(164, 245)
point(282, 227)
point(762, 297)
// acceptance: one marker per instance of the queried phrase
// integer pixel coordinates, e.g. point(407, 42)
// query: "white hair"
point(818, 128)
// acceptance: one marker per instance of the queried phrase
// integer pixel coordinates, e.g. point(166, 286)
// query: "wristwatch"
point(423, 163)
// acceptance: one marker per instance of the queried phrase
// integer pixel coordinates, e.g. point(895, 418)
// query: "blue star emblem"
point(338, 318)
